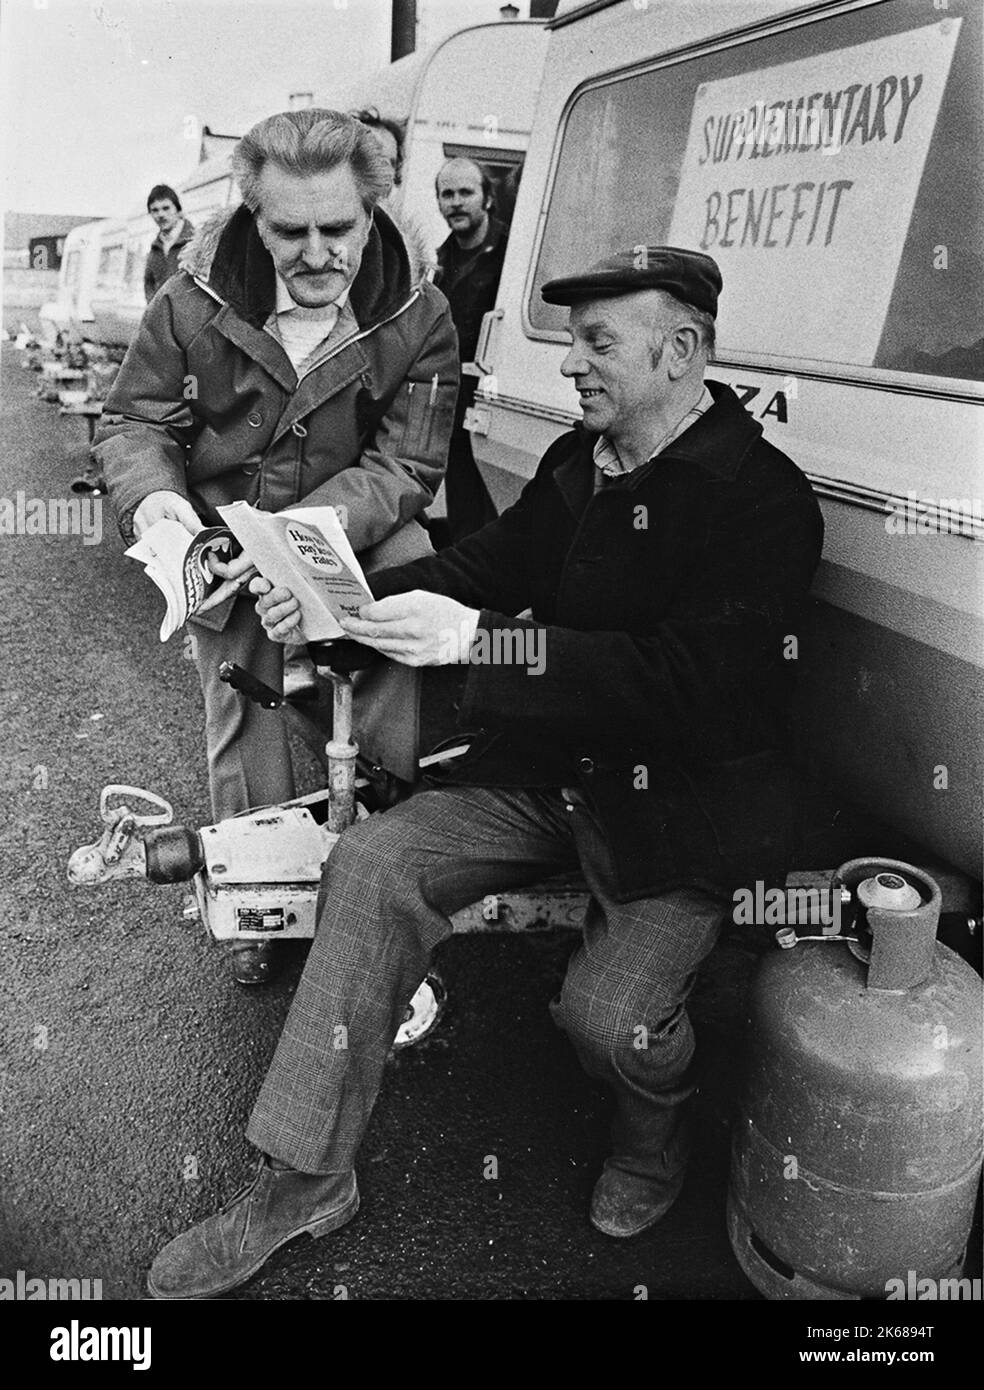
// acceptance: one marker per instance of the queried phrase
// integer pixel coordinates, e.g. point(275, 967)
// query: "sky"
point(100, 99)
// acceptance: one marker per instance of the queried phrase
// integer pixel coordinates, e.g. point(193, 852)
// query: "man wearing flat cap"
point(631, 727)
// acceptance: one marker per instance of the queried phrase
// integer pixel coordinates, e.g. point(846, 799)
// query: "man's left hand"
point(235, 575)
point(416, 628)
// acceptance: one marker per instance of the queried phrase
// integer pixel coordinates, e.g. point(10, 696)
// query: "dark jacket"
point(207, 404)
point(665, 601)
point(469, 281)
point(161, 265)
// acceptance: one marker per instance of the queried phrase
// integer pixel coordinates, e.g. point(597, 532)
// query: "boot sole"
point(322, 1227)
point(636, 1230)
point(657, 1215)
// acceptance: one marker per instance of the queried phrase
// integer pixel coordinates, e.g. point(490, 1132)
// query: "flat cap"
point(688, 275)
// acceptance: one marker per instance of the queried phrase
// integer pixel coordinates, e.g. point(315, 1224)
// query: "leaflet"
point(177, 563)
point(305, 550)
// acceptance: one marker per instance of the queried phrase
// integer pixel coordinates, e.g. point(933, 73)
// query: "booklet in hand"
point(177, 563)
point(304, 549)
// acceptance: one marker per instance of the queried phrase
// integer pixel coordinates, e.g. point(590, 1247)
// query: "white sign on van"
point(800, 181)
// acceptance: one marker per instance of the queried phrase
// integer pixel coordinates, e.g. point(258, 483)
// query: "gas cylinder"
point(857, 1148)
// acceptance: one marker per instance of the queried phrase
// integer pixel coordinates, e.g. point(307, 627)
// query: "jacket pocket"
point(425, 408)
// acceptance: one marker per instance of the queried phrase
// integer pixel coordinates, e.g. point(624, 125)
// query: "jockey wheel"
point(423, 1012)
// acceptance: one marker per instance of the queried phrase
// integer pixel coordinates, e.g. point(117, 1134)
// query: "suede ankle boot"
point(644, 1176)
point(227, 1249)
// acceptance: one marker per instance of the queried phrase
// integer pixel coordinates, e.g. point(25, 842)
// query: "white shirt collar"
point(169, 238)
point(606, 456)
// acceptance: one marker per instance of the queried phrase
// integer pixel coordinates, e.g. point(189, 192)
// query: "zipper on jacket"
point(339, 347)
point(354, 338)
point(300, 433)
point(357, 337)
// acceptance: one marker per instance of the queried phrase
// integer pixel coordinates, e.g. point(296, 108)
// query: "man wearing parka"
point(173, 234)
point(630, 727)
point(295, 360)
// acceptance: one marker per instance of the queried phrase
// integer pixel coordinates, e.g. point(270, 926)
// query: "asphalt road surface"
point(130, 1059)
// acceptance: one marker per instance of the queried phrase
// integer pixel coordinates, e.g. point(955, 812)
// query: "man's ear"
point(684, 344)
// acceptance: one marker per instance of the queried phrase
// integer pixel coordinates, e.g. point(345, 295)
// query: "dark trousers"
point(248, 752)
point(387, 893)
point(469, 505)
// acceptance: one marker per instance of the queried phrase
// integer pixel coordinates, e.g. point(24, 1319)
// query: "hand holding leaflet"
point(305, 550)
point(178, 563)
point(234, 575)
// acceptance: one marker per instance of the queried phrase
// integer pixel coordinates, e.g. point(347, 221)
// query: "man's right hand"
point(278, 610)
point(157, 505)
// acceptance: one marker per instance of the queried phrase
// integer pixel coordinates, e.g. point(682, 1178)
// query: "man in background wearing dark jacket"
point(173, 234)
point(631, 728)
point(469, 267)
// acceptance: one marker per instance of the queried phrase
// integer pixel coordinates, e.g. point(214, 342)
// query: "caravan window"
point(73, 268)
point(833, 170)
point(504, 169)
point(136, 259)
point(111, 262)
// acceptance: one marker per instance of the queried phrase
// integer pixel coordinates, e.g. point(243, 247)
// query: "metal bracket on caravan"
point(482, 365)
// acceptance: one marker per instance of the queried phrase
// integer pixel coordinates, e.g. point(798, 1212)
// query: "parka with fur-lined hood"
point(208, 405)
point(160, 264)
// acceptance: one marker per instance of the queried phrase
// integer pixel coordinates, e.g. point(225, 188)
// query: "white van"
point(829, 157)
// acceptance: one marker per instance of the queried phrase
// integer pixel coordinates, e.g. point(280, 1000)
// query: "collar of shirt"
point(326, 313)
point(606, 456)
point(303, 333)
point(168, 240)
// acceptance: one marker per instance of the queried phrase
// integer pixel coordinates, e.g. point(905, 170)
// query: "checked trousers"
point(387, 893)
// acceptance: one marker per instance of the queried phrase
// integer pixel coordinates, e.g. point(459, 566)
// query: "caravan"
point(473, 95)
point(71, 312)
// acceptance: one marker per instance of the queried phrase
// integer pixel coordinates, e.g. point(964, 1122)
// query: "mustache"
point(325, 270)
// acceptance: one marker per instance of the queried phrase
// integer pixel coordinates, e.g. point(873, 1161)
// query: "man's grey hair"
point(312, 141)
point(698, 318)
